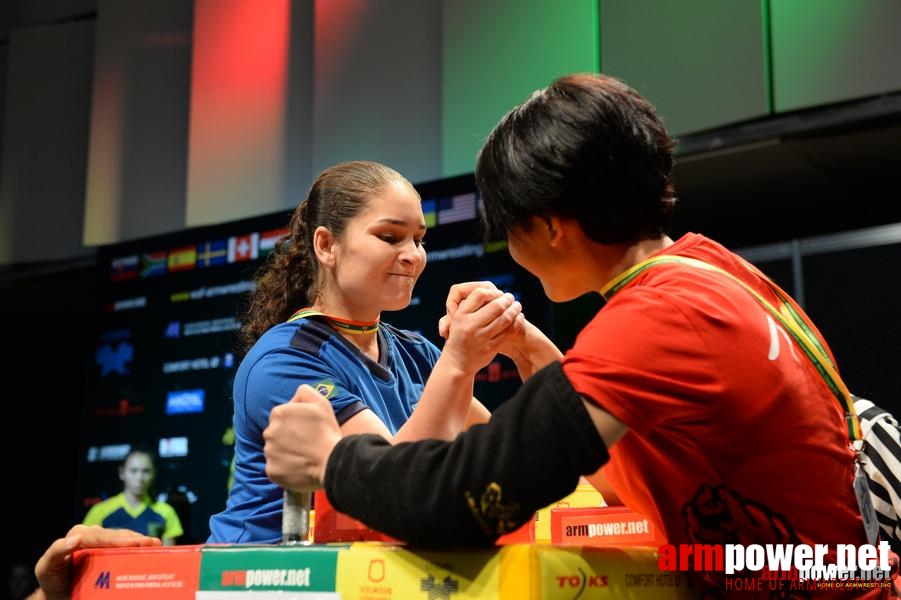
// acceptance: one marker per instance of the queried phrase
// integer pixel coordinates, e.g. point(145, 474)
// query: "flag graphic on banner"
point(243, 247)
point(153, 264)
point(429, 208)
point(182, 259)
point(457, 208)
point(268, 239)
point(125, 267)
point(210, 254)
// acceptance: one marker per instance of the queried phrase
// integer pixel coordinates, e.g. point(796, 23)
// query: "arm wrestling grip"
point(485, 483)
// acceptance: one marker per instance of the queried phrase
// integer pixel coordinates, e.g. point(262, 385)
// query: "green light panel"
point(496, 53)
point(701, 62)
point(827, 51)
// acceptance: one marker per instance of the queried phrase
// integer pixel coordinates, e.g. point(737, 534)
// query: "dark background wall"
point(48, 332)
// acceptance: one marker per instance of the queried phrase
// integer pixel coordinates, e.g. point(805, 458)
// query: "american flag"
point(457, 208)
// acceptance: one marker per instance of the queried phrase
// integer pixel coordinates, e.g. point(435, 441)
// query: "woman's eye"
point(391, 238)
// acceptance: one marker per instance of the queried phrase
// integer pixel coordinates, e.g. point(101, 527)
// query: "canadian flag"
point(243, 247)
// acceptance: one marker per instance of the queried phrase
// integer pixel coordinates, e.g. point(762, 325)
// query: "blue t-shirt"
point(309, 351)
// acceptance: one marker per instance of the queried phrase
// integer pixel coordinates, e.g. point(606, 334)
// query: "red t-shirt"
point(734, 437)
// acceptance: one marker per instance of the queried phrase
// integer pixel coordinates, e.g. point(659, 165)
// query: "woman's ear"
point(324, 246)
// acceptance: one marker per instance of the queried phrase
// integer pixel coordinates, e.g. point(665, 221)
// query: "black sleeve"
point(485, 483)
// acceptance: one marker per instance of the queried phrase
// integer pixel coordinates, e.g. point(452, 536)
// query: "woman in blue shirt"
point(354, 249)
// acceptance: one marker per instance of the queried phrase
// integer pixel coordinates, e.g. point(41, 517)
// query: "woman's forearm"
point(533, 352)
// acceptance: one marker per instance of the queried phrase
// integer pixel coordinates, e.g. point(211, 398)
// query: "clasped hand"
point(480, 322)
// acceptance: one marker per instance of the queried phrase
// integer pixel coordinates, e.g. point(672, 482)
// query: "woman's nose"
point(412, 252)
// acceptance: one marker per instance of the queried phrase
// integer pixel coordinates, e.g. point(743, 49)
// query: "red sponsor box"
point(334, 526)
point(170, 572)
point(603, 526)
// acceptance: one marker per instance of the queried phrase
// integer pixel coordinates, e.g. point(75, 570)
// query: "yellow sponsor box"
point(382, 571)
point(379, 571)
point(545, 572)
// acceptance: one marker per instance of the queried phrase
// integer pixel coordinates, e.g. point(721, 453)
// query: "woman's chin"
point(398, 304)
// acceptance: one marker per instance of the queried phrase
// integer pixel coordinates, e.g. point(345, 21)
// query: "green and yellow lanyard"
point(345, 325)
point(790, 319)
